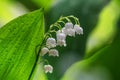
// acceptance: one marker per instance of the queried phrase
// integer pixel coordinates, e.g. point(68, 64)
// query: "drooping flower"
point(51, 43)
point(61, 43)
point(61, 38)
point(44, 51)
point(53, 52)
point(70, 32)
point(48, 68)
point(68, 25)
point(64, 31)
point(60, 35)
point(78, 29)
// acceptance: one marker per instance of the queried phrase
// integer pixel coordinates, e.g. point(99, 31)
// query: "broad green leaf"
point(18, 42)
point(103, 65)
point(105, 30)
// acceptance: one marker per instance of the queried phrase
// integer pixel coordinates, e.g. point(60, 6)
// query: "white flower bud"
point(61, 43)
point(48, 68)
point(53, 52)
point(68, 25)
point(44, 51)
point(51, 43)
point(60, 36)
point(78, 29)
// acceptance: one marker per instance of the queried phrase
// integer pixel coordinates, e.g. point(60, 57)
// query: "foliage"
point(18, 42)
point(97, 51)
point(105, 30)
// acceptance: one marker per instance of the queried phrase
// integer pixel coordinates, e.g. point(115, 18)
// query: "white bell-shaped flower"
point(44, 51)
point(78, 29)
point(51, 43)
point(64, 31)
point(48, 68)
point(60, 35)
point(70, 32)
point(53, 52)
point(61, 43)
point(68, 25)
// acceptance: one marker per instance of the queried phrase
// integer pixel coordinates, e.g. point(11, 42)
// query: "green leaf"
point(105, 30)
point(18, 42)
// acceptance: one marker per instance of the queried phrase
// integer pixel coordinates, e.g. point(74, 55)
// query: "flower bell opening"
point(53, 52)
point(48, 68)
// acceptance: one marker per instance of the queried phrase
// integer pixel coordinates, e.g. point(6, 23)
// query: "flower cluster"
point(69, 29)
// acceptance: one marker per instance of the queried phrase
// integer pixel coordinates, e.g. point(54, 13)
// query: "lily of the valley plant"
point(61, 33)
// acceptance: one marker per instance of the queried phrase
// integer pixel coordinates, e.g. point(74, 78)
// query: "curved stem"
point(53, 31)
point(57, 25)
point(76, 19)
point(61, 21)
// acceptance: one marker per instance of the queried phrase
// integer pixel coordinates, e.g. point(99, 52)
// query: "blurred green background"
point(96, 52)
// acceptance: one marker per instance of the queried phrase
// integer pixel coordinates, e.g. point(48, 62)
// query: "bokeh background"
point(100, 20)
